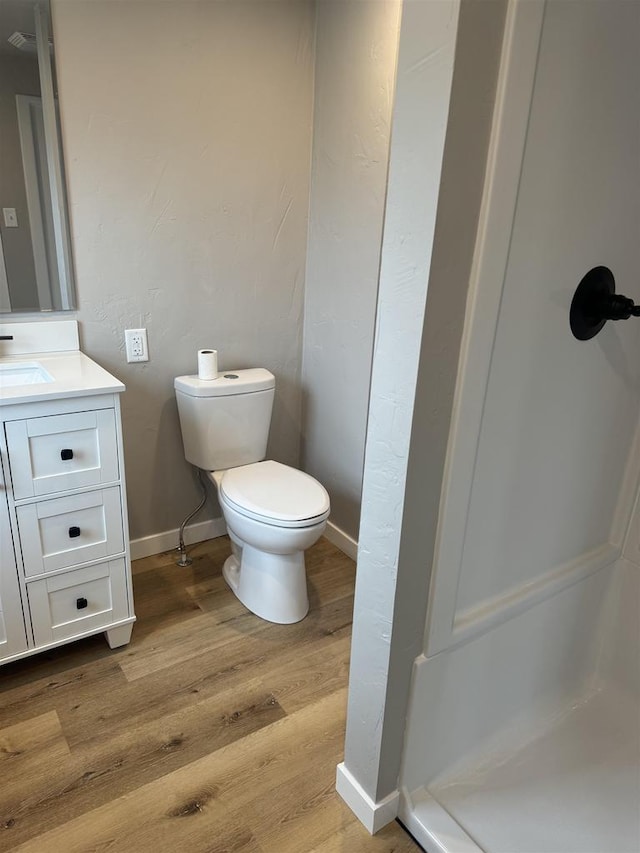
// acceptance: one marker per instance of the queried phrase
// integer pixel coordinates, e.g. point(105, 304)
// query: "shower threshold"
point(574, 788)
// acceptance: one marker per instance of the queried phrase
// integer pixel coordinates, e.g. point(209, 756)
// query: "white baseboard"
point(433, 828)
point(371, 814)
point(159, 542)
point(341, 540)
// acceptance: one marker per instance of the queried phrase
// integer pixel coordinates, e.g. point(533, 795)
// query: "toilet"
point(273, 512)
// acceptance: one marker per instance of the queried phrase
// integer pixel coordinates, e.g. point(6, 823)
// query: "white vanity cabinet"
point(65, 568)
point(13, 636)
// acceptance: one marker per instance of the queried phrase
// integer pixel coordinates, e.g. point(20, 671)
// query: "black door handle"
point(66, 454)
point(81, 603)
point(74, 532)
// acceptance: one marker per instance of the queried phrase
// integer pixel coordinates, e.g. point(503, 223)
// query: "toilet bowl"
point(273, 514)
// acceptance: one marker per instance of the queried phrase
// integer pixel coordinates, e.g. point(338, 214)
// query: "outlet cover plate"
point(136, 344)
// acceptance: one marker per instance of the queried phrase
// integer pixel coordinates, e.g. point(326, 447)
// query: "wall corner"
point(372, 814)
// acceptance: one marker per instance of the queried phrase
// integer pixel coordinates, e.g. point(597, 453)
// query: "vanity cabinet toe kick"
point(65, 567)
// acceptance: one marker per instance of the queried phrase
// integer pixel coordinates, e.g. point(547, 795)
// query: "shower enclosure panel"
point(524, 648)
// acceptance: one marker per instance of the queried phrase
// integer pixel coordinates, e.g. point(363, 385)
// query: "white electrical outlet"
point(136, 344)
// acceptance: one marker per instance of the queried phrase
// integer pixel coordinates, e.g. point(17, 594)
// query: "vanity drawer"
point(78, 602)
point(62, 532)
point(59, 452)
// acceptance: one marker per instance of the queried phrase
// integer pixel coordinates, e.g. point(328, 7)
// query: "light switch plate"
point(10, 217)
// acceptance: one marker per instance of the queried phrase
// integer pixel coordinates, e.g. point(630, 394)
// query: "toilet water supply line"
point(184, 560)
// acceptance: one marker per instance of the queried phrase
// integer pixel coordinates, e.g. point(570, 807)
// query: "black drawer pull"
point(81, 603)
point(74, 532)
point(66, 454)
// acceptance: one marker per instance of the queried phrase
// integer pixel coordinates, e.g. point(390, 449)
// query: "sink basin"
point(23, 373)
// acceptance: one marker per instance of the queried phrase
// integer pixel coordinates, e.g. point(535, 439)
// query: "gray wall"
point(187, 138)
point(409, 419)
point(356, 50)
point(18, 76)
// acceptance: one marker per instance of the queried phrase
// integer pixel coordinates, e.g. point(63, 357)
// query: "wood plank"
point(186, 809)
point(283, 752)
point(294, 673)
point(28, 749)
point(114, 765)
point(26, 746)
point(306, 806)
point(168, 815)
point(325, 557)
point(354, 838)
point(177, 644)
point(160, 585)
point(91, 650)
point(211, 631)
point(70, 688)
point(212, 731)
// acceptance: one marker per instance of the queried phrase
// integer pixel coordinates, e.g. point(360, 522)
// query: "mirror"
point(35, 250)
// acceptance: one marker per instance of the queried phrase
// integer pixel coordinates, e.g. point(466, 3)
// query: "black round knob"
point(74, 532)
point(66, 454)
point(596, 301)
point(81, 603)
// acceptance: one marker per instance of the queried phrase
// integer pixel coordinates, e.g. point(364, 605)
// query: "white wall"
point(620, 655)
point(415, 366)
point(187, 138)
point(355, 59)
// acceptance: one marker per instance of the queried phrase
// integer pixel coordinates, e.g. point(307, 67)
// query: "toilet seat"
point(275, 494)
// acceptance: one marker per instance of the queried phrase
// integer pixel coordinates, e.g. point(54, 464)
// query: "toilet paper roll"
point(207, 364)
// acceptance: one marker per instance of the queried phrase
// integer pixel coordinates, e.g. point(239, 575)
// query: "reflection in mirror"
point(35, 255)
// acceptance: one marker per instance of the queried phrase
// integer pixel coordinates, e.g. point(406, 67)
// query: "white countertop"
point(74, 375)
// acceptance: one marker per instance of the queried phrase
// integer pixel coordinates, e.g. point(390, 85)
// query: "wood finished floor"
point(211, 731)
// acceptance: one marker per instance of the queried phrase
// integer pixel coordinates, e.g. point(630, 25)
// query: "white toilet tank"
point(225, 421)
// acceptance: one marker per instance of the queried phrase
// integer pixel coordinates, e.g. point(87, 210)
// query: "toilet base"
point(273, 586)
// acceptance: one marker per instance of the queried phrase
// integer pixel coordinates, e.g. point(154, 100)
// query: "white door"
point(36, 181)
point(537, 495)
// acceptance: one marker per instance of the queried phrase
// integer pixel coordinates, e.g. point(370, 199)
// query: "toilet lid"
point(275, 491)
